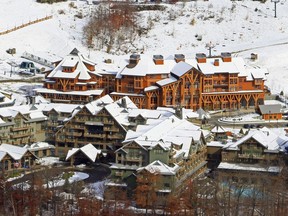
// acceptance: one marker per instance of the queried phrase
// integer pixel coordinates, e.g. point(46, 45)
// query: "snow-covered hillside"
point(241, 27)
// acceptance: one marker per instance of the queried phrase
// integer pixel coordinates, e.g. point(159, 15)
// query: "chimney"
point(216, 62)
point(226, 57)
point(124, 102)
point(179, 57)
point(158, 59)
point(134, 59)
point(201, 57)
point(179, 112)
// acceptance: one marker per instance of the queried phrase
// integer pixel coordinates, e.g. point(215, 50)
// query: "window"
point(158, 151)
point(154, 99)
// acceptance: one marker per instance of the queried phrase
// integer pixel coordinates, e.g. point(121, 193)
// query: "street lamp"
point(275, 2)
point(234, 123)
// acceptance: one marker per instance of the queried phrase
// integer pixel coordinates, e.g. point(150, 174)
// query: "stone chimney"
point(201, 57)
point(158, 59)
point(226, 57)
point(179, 57)
point(216, 62)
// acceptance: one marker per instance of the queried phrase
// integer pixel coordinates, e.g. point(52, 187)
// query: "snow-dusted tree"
point(111, 25)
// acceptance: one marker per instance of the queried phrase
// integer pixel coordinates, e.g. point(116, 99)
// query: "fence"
point(25, 25)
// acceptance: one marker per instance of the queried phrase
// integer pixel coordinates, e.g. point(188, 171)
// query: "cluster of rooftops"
point(142, 65)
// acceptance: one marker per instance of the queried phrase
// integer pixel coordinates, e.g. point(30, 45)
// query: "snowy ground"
point(241, 27)
point(78, 176)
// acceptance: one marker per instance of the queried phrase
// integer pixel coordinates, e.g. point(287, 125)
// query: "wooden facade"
point(194, 88)
point(73, 80)
point(101, 130)
point(214, 83)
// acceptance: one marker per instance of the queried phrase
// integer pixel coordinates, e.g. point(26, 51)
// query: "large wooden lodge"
point(221, 82)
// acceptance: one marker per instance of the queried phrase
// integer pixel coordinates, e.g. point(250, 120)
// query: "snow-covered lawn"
point(57, 182)
point(48, 161)
point(252, 117)
point(77, 176)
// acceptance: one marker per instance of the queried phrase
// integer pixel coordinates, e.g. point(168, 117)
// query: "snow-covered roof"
point(15, 152)
point(270, 109)
point(83, 93)
point(224, 67)
point(95, 106)
point(181, 68)
point(39, 145)
point(166, 81)
point(157, 167)
point(167, 131)
point(151, 88)
point(264, 136)
point(146, 66)
point(248, 167)
point(218, 129)
point(89, 150)
point(74, 59)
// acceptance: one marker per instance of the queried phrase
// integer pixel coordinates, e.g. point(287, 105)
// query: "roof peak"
point(75, 51)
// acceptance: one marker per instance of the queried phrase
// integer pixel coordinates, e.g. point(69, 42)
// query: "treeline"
point(227, 194)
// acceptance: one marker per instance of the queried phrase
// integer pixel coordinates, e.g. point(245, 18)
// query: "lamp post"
point(210, 46)
point(275, 2)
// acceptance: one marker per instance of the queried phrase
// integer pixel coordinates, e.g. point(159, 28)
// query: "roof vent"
point(134, 59)
point(216, 62)
point(179, 57)
point(158, 59)
point(226, 57)
point(201, 57)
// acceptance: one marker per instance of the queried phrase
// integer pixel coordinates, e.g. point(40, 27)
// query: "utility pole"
point(275, 3)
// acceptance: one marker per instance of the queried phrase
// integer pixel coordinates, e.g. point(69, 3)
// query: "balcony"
point(115, 136)
point(220, 84)
point(14, 129)
point(79, 127)
point(119, 174)
point(251, 156)
point(15, 136)
point(137, 159)
point(94, 135)
point(108, 122)
point(112, 129)
point(75, 134)
point(80, 120)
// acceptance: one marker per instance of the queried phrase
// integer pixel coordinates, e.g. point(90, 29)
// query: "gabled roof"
point(74, 59)
point(157, 167)
point(181, 68)
point(89, 150)
point(218, 129)
point(265, 137)
point(270, 109)
point(15, 152)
